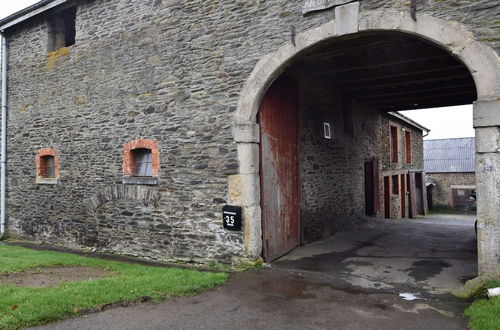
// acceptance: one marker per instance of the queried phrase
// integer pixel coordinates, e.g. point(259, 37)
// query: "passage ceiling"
point(390, 72)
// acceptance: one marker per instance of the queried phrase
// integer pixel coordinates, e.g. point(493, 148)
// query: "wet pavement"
point(350, 281)
point(435, 254)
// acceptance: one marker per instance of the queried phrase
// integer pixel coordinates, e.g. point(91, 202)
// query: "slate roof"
point(449, 155)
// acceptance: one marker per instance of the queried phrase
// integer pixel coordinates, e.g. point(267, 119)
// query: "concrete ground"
point(353, 280)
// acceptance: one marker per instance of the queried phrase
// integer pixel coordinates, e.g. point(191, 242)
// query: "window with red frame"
point(394, 141)
point(408, 147)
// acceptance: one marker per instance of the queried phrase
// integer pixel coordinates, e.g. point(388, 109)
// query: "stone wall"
point(332, 170)
point(163, 70)
point(442, 194)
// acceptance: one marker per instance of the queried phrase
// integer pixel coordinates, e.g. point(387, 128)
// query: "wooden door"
point(387, 197)
point(413, 195)
point(279, 170)
point(420, 194)
point(403, 196)
point(372, 196)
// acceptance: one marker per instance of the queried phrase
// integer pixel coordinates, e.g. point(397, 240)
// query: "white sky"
point(443, 122)
point(8, 7)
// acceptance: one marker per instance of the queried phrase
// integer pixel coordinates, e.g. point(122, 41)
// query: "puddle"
point(52, 276)
point(288, 288)
point(424, 269)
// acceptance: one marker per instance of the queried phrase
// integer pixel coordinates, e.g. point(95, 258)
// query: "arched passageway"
point(383, 65)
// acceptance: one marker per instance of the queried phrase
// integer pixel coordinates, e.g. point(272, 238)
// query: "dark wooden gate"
point(387, 197)
point(418, 194)
point(279, 170)
point(403, 196)
point(372, 191)
point(413, 195)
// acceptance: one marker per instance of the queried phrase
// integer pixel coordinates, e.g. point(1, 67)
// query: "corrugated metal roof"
point(449, 155)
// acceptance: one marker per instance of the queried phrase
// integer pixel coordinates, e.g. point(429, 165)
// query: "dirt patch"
point(52, 276)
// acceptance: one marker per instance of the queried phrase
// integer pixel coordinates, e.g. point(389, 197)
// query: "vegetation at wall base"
point(484, 313)
point(23, 306)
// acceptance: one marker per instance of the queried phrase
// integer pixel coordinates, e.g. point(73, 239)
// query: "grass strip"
point(484, 313)
point(28, 306)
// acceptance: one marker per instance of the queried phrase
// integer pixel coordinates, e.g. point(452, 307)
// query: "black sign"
point(231, 217)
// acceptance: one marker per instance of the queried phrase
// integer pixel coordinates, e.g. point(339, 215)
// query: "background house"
point(449, 163)
point(402, 167)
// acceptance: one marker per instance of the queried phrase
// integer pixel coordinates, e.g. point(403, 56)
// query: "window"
point(47, 166)
point(408, 147)
point(394, 144)
point(141, 162)
point(62, 29)
point(395, 184)
point(327, 133)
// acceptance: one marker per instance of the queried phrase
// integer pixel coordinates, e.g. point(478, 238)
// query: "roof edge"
point(28, 12)
point(408, 120)
point(454, 138)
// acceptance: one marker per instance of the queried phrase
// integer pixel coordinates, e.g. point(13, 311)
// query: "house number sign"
point(315, 5)
point(231, 217)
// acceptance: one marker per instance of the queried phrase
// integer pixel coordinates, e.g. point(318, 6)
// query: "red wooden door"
point(403, 196)
point(279, 171)
point(387, 197)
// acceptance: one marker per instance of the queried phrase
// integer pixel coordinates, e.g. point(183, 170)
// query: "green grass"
point(25, 306)
point(485, 313)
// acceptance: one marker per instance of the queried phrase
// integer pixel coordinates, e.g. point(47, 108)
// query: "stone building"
point(133, 123)
point(449, 164)
point(402, 167)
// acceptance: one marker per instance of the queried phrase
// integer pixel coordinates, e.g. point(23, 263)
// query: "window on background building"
point(62, 30)
point(408, 147)
point(394, 144)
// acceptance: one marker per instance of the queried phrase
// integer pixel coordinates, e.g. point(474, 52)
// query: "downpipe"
point(3, 150)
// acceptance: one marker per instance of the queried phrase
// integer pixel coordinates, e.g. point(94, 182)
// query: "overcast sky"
point(8, 7)
point(443, 122)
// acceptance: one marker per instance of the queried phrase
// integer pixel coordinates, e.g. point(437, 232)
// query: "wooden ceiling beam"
point(409, 106)
point(420, 100)
point(409, 80)
point(376, 58)
point(354, 45)
point(415, 93)
point(388, 92)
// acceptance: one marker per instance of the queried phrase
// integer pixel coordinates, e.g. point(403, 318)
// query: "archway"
point(481, 61)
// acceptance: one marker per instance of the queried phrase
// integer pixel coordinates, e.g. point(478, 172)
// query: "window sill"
point(47, 181)
point(152, 181)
